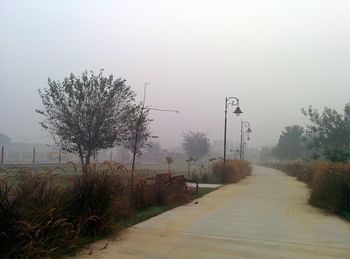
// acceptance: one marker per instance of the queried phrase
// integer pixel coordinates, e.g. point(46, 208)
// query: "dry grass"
point(233, 171)
point(330, 187)
point(43, 215)
point(34, 224)
point(94, 201)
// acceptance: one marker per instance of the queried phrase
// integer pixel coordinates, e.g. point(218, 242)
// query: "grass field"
point(140, 169)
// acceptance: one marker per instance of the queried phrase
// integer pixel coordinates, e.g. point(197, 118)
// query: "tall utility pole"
point(135, 145)
point(138, 123)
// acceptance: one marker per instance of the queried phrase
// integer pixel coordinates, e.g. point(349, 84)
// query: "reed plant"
point(42, 215)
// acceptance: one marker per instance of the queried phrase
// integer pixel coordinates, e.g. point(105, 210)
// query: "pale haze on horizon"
point(275, 56)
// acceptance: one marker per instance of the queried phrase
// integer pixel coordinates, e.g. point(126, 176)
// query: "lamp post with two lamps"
point(244, 124)
point(230, 101)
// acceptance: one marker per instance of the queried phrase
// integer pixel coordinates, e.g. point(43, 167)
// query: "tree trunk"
point(85, 166)
point(87, 160)
point(188, 172)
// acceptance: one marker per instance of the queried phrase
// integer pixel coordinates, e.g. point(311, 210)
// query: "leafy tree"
point(196, 144)
point(4, 140)
point(336, 155)
point(290, 144)
point(87, 113)
point(169, 161)
point(329, 129)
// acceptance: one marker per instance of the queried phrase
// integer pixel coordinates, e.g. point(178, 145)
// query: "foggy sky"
point(275, 56)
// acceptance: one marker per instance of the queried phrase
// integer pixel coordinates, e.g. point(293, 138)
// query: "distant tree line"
point(325, 137)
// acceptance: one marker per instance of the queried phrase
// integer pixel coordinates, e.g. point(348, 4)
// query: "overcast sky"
point(275, 56)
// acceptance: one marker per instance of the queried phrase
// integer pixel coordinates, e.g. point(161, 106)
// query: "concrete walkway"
point(264, 216)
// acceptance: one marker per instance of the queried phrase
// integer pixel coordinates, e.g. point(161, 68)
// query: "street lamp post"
point(233, 101)
point(243, 149)
point(244, 124)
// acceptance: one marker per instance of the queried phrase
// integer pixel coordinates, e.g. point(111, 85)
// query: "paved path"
point(264, 216)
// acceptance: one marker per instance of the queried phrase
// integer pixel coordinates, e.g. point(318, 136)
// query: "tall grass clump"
point(331, 187)
point(47, 215)
point(232, 171)
point(158, 193)
point(169, 194)
point(95, 200)
point(8, 229)
point(145, 195)
point(35, 224)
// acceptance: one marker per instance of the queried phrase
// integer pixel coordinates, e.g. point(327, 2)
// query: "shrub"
point(174, 194)
point(92, 202)
point(49, 235)
point(35, 225)
point(145, 195)
point(36, 193)
point(170, 193)
point(244, 169)
point(330, 187)
point(162, 190)
point(233, 171)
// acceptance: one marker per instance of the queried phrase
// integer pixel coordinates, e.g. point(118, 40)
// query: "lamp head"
point(238, 111)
